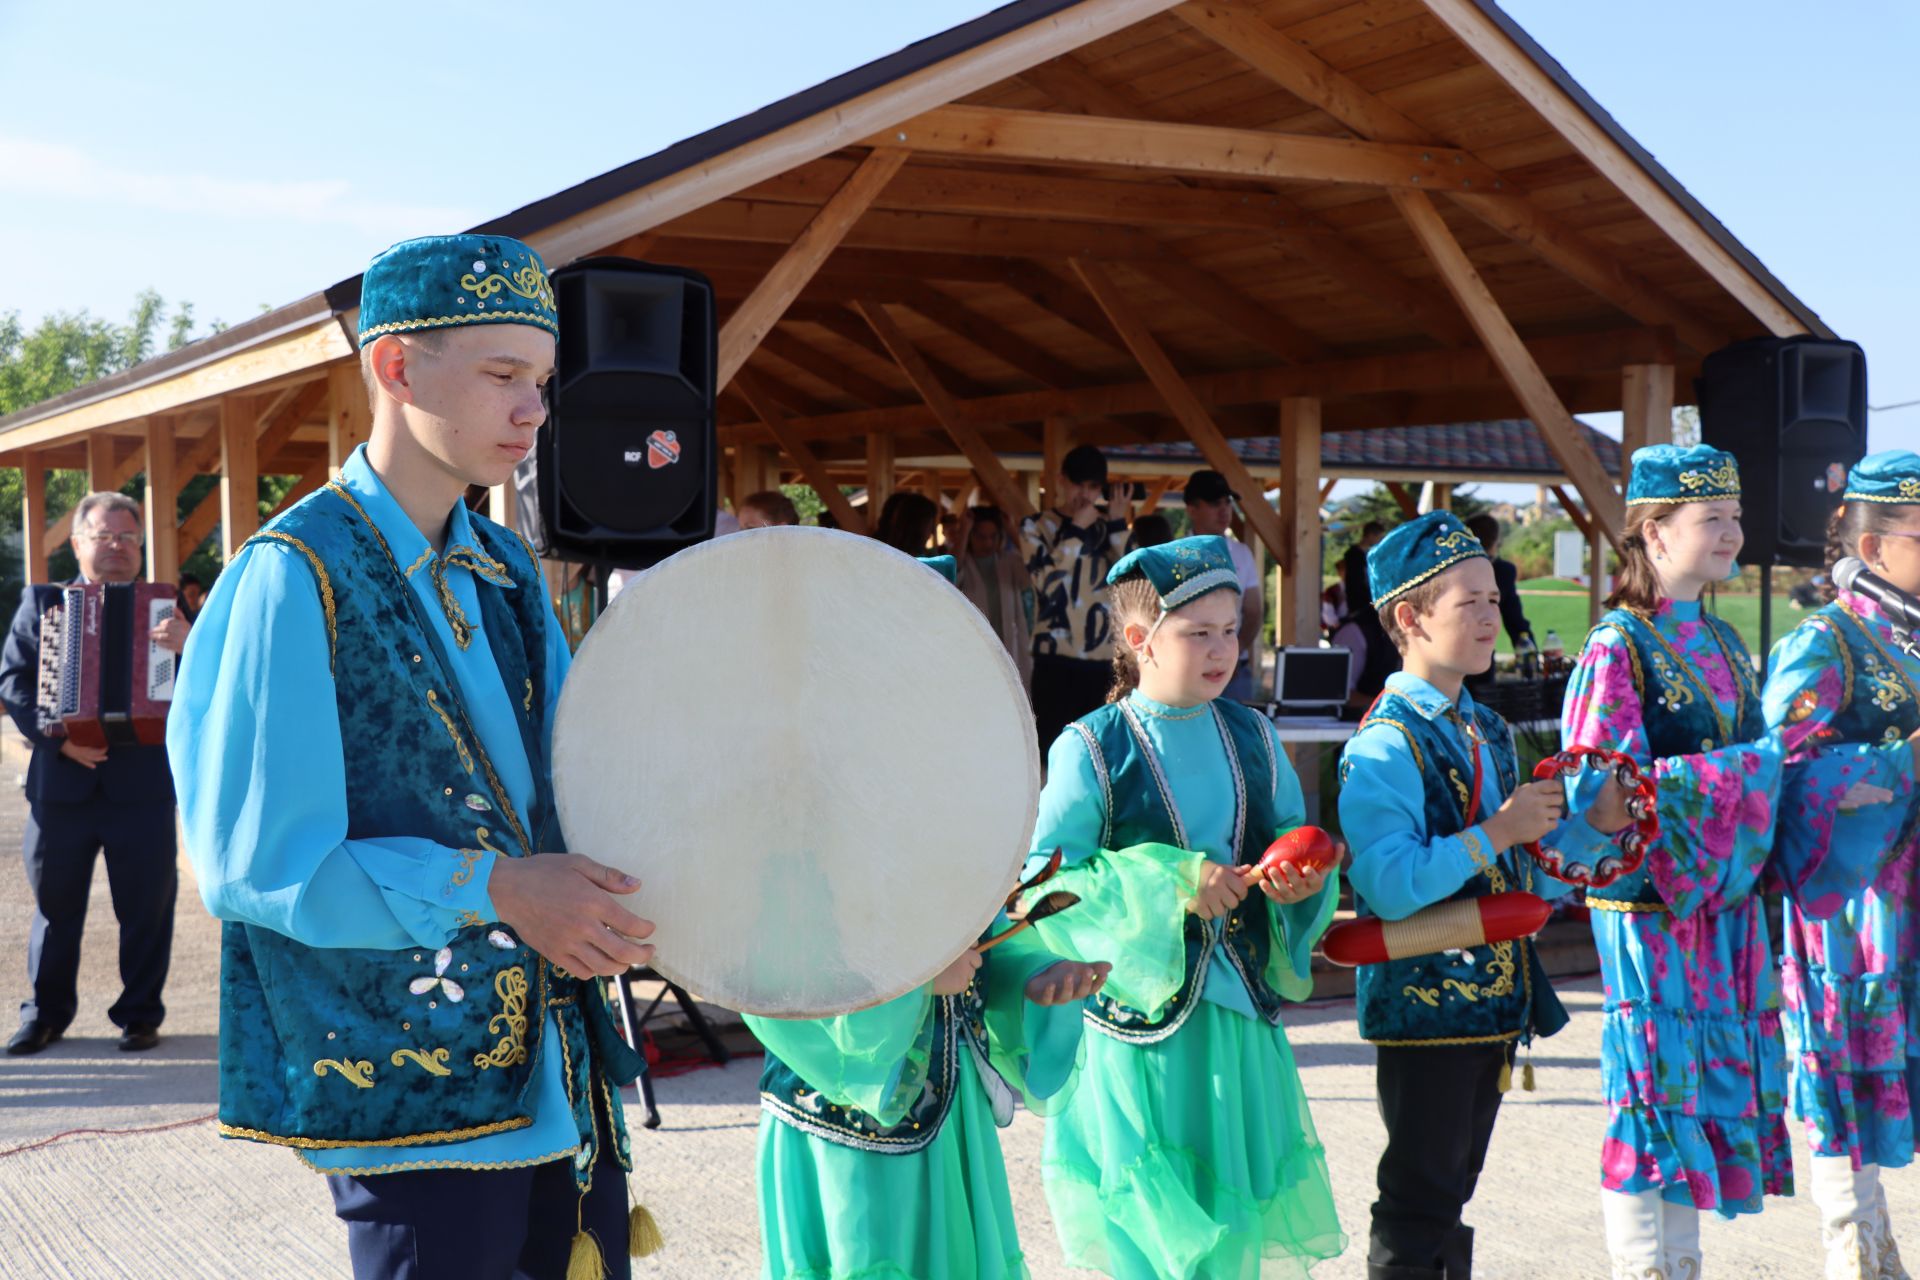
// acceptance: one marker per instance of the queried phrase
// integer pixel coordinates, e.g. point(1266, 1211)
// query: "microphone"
point(1852, 574)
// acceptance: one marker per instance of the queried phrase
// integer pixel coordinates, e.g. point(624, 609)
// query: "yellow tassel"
point(643, 1233)
point(585, 1262)
point(1526, 1075)
point(1506, 1083)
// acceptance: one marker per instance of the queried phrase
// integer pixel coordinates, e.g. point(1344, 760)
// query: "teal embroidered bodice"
point(1141, 810)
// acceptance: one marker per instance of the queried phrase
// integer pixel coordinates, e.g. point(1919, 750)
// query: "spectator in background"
point(993, 576)
point(907, 523)
point(83, 800)
point(1210, 502)
point(1068, 550)
point(1382, 658)
point(193, 594)
point(1149, 531)
point(1506, 576)
point(766, 509)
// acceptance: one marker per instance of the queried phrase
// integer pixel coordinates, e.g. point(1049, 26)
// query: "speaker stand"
point(1766, 616)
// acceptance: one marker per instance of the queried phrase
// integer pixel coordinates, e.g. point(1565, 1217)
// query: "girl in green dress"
point(878, 1153)
point(1187, 1150)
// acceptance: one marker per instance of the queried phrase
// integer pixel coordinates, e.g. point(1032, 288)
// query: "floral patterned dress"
point(1692, 1062)
point(1848, 698)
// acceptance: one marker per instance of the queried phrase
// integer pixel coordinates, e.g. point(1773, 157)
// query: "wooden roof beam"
point(1409, 374)
point(1000, 343)
point(1007, 493)
point(769, 222)
point(1235, 311)
point(1517, 365)
point(1266, 49)
point(1300, 233)
point(764, 307)
point(782, 344)
point(1183, 403)
point(1046, 137)
point(276, 427)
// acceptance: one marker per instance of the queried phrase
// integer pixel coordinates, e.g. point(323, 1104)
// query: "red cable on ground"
point(112, 1133)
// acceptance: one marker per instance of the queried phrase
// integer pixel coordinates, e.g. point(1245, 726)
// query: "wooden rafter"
point(286, 416)
point(764, 307)
point(1046, 137)
point(1404, 500)
point(1517, 365)
point(816, 363)
point(997, 341)
point(810, 466)
point(1297, 232)
point(1183, 403)
point(919, 231)
point(1468, 368)
point(1235, 311)
point(1240, 30)
point(1006, 491)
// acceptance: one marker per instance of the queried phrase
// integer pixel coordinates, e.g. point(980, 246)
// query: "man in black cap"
point(1210, 511)
point(1068, 550)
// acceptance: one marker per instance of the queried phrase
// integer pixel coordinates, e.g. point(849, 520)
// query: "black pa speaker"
point(1793, 412)
point(624, 472)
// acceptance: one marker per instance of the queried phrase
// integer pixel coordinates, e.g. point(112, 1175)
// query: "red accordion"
point(103, 680)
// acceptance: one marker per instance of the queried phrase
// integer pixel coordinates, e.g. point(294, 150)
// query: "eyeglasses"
point(117, 539)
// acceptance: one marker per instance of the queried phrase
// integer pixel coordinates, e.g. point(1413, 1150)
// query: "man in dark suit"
point(1506, 577)
point(83, 800)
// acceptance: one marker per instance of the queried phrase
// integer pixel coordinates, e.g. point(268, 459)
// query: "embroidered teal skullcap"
point(1890, 476)
point(1181, 571)
point(1670, 473)
point(1417, 551)
point(440, 282)
point(946, 566)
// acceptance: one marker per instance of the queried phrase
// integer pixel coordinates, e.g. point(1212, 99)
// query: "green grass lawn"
point(1567, 613)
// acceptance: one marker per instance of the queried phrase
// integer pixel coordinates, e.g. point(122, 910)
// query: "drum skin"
point(816, 757)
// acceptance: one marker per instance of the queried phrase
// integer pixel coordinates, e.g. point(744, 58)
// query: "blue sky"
point(232, 155)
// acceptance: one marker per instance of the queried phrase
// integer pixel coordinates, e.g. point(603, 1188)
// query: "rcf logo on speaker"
point(663, 450)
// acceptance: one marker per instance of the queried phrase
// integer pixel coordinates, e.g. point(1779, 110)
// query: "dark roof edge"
point(1654, 169)
point(769, 119)
point(264, 327)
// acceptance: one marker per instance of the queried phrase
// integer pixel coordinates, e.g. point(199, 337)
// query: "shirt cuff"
point(433, 890)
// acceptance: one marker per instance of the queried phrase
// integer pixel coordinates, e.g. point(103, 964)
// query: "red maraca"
point(1304, 849)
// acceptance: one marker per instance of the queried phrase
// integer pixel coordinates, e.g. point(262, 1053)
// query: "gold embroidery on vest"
point(358, 1074)
point(459, 743)
point(526, 703)
point(431, 1061)
point(511, 986)
point(326, 588)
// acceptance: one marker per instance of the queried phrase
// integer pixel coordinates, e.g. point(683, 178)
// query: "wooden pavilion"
point(1117, 221)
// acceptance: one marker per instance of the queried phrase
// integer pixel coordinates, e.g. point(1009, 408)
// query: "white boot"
point(1634, 1235)
point(1680, 1233)
point(1890, 1267)
point(1847, 1201)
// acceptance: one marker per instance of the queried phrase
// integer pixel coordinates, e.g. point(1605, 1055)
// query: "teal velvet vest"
point(343, 1047)
point(1678, 721)
point(1879, 707)
point(959, 1026)
point(1141, 810)
point(1482, 995)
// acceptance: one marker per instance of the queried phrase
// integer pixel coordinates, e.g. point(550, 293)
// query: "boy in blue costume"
point(360, 743)
point(1424, 764)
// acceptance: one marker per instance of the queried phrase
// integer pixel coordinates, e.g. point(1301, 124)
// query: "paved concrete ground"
point(184, 1205)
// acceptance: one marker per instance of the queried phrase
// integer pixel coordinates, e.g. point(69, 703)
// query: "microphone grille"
point(1847, 571)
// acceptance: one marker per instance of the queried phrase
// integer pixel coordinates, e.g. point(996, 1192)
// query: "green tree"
point(69, 349)
point(1355, 513)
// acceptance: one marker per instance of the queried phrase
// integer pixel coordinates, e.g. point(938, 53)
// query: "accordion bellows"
point(102, 680)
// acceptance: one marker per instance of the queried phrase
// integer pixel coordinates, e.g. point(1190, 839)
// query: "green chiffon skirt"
point(829, 1212)
point(1193, 1157)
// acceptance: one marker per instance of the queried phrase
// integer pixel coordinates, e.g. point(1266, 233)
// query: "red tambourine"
point(1634, 841)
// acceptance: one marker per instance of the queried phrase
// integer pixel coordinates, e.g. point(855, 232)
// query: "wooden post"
point(33, 515)
point(1404, 499)
point(1596, 574)
point(1442, 497)
point(99, 462)
point(879, 474)
point(749, 471)
point(500, 504)
point(1056, 441)
point(349, 413)
point(1646, 411)
point(162, 504)
point(239, 477)
point(1297, 612)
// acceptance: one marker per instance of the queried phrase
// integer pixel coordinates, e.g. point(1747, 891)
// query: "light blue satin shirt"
point(259, 768)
